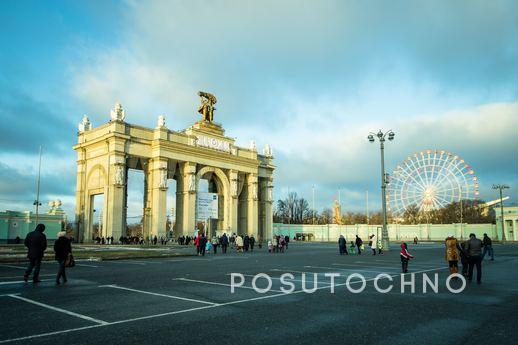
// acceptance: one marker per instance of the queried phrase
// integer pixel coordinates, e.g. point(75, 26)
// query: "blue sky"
point(309, 78)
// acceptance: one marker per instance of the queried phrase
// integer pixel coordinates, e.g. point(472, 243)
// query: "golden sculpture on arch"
point(206, 109)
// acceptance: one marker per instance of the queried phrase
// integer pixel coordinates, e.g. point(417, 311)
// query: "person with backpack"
point(488, 247)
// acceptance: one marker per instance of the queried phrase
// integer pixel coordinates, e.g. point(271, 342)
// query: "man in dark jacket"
point(36, 243)
point(359, 243)
point(252, 242)
point(62, 249)
point(224, 243)
point(474, 251)
point(246, 243)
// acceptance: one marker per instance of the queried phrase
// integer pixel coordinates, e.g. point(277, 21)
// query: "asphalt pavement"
point(188, 300)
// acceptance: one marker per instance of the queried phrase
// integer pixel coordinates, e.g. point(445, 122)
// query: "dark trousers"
point(224, 248)
point(61, 271)
point(215, 247)
point(404, 264)
point(359, 250)
point(475, 261)
point(202, 250)
point(33, 264)
point(488, 249)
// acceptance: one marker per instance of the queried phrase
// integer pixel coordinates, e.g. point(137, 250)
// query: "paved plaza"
point(188, 300)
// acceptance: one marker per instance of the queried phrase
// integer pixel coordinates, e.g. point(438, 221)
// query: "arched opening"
point(212, 184)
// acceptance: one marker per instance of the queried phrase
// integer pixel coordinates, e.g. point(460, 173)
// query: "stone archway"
point(223, 189)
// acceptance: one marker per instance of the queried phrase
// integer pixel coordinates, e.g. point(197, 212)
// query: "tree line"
point(296, 210)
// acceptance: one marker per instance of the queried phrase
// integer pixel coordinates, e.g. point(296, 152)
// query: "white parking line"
point(220, 284)
point(185, 310)
point(291, 280)
point(85, 265)
point(84, 317)
point(352, 270)
point(12, 266)
point(294, 271)
point(114, 286)
point(22, 281)
point(374, 267)
point(126, 262)
point(19, 276)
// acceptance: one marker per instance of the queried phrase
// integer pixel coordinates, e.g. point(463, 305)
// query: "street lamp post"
point(501, 187)
point(382, 137)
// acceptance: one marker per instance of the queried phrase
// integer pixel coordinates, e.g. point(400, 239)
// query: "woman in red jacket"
point(405, 257)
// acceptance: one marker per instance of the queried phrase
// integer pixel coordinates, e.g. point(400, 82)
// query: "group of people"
point(357, 246)
point(278, 244)
point(240, 243)
point(471, 253)
point(36, 243)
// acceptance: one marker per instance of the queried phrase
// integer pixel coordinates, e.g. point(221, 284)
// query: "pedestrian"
point(286, 241)
point(359, 244)
point(373, 244)
point(463, 258)
point(452, 254)
point(352, 248)
point(270, 246)
point(203, 243)
point(17, 240)
point(36, 243)
point(405, 257)
point(215, 243)
point(246, 243)
point(62, 249)
point(281, 244)
point(342, 245)
point(224, 243)
point(488, 247)
point(274, 244)
point(415, 240)
point(473, 251)
point(380, 247)
point(239, 243)
point(252, 242)
point(197, 243)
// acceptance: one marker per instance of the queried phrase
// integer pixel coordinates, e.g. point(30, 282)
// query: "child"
point(405, 257)
point(352, 248)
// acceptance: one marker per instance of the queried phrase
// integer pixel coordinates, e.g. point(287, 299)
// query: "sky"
point(309, 78)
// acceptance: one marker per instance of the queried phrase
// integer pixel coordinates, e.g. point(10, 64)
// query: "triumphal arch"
point(241, 177)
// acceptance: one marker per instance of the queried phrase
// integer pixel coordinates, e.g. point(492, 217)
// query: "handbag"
point(70, 262)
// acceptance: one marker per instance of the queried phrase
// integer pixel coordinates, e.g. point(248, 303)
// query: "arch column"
point(252, 206)
point(233, 201)
point(114, 201)
point(158, 188)
point(186, 199)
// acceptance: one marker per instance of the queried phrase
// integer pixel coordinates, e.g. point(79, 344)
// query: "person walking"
point(36, 243)
point(275, 244)
point(286, 241)
point(62, 249)
point(224, 243)
point(463, 258)
point(215, 243)
point(488, 247)
point(239, 243)
point(342, 245)
point(359, 243)
point(452, 254)
point(405, 257)
point(373, 244)
point(252, 243)
point(197, 243)
point(203, 242)
point(246, 243)
point(473, 251)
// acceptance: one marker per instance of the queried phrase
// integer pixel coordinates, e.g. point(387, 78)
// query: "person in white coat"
point(373, 243)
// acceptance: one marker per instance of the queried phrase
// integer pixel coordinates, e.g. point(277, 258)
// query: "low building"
point(15, 224)
point(510, 222)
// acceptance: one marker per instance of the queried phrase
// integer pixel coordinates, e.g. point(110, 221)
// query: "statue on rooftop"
point(206, 109)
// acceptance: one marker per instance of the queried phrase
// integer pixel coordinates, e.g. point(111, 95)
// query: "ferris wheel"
point(430, 180)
